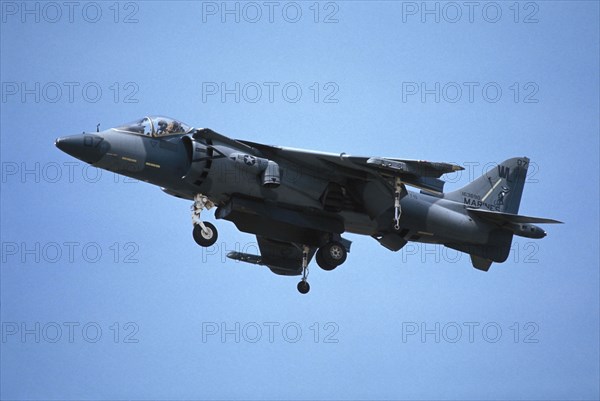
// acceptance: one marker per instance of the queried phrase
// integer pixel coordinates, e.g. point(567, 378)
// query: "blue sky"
point(104, 294)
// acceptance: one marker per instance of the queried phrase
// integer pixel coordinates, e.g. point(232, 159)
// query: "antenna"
point(98, 127)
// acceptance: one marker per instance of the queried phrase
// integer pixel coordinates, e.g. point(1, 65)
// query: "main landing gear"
point(329, 256)
point(205, 234)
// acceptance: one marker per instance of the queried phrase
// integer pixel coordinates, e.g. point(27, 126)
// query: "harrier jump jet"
point(298, 203)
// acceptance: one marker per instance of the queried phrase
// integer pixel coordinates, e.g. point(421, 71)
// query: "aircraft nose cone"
point(87, 147)
point(64, 143)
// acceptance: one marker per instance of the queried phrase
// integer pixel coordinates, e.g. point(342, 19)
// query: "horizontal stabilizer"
point(499, 217)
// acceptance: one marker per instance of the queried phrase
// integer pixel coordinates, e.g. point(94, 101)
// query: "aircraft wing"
point(418, 173)
point(207, 133)
point(500, 217)
point(281, 257)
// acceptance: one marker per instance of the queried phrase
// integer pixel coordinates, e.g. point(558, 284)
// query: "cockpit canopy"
point(156, 126)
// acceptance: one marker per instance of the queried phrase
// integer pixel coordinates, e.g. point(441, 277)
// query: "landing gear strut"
point(303, 286)
point(205, 234)
point(398, 189)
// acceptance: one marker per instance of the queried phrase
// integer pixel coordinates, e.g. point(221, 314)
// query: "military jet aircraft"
point(298, 203)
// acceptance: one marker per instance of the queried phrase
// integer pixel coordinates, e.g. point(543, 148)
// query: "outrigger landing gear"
point(398, 189)
point(205, 234)
point(303, 286)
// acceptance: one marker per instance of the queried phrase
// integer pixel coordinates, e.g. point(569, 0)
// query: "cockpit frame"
point(155, 126)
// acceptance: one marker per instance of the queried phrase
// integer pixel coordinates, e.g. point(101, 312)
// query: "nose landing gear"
point(205, 234)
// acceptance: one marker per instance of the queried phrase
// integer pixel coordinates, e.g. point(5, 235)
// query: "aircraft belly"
point(287, 225)
point(359, 223)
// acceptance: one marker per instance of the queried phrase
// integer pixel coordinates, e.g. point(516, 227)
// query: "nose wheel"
point(205, 234)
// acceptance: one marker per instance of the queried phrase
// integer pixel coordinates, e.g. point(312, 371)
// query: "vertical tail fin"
point(498, 189)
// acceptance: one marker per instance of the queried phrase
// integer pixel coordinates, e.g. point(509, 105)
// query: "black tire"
point(334, 253)
point(205, 239)
point(321, 261)
point(303, 287)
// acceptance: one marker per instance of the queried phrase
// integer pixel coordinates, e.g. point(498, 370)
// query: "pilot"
point(173, 127)
point(162, 127)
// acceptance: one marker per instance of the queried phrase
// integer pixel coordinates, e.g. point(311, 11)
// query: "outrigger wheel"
point(303, 287)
